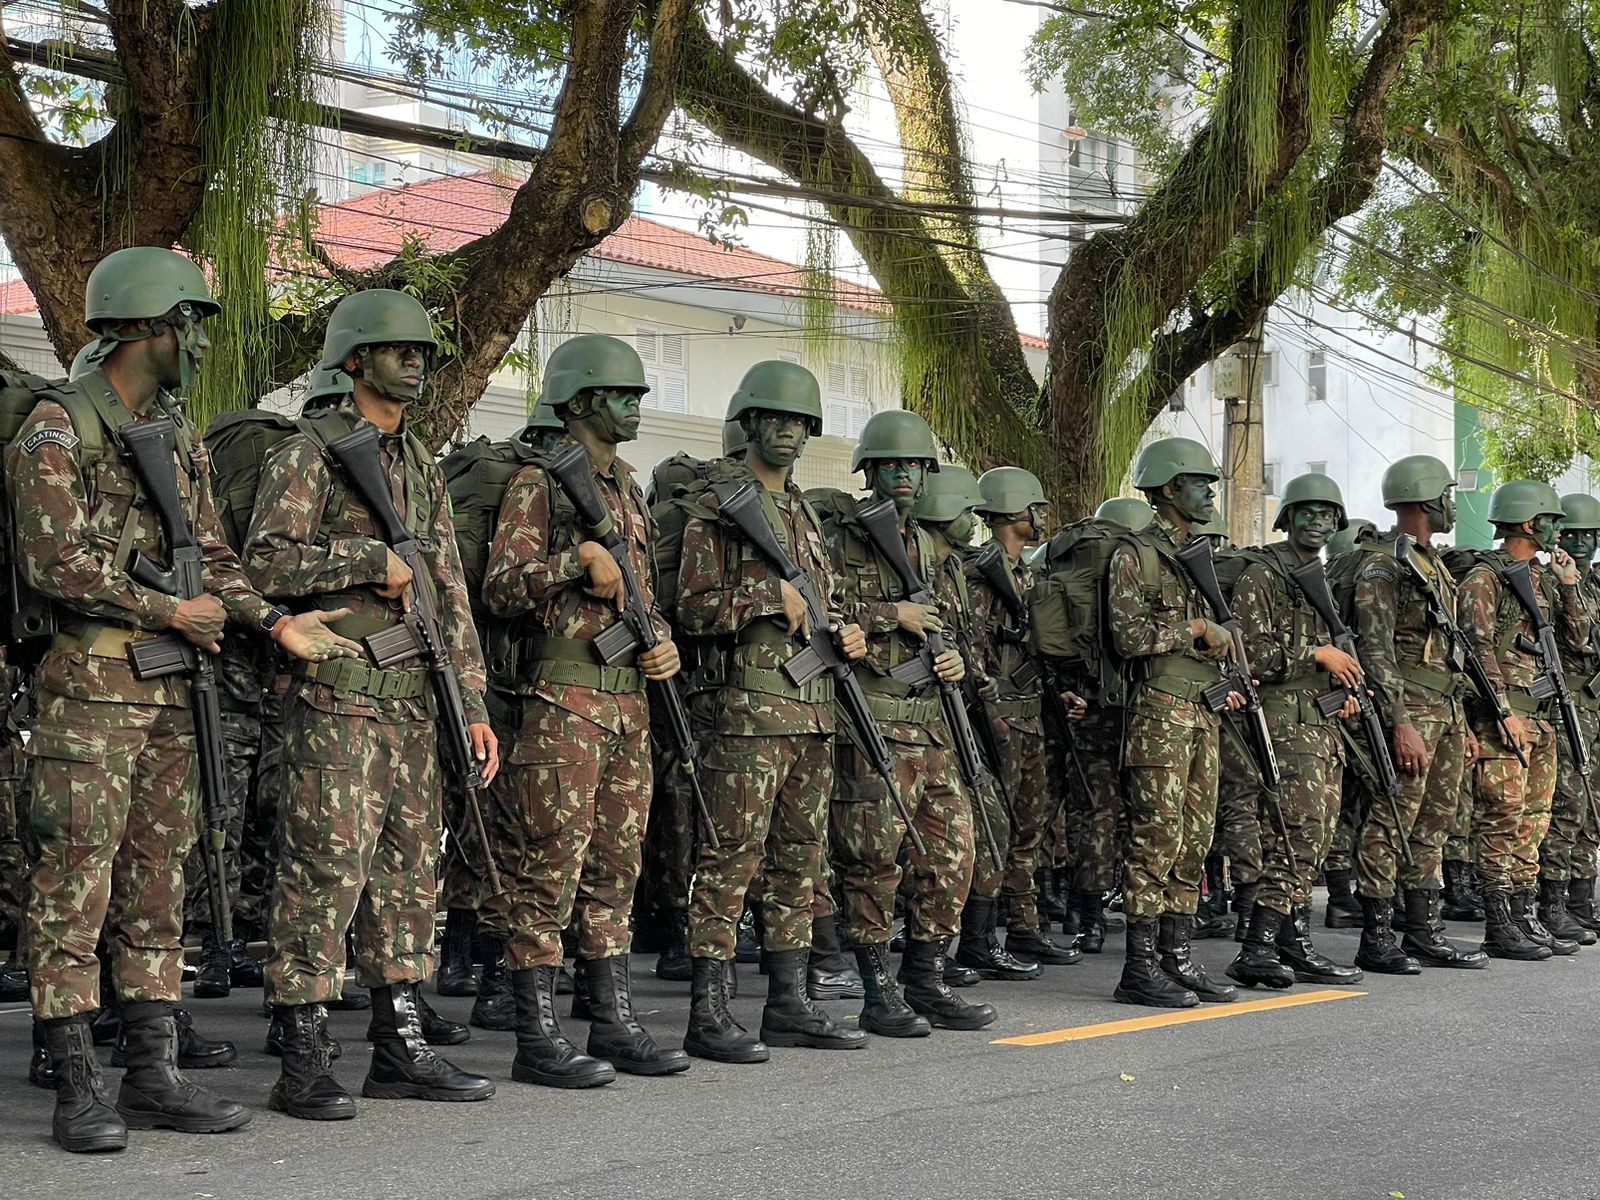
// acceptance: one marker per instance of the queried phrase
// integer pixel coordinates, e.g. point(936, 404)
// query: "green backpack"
point(476, 476)
point(238, 444)
point(1067, 607)
point(677, 486)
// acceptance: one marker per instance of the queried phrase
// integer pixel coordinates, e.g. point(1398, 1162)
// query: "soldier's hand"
point(1410, 752)
point(307, 636)
point(794, 609)
point(1561, 562)
point(989, 688)
point(1212, 640)
point(949, 667)
point(852, 641)
point(918, 619)
point(605, 577)
point(200, 621)
point(1522, 734)
point(1077, 707)
point(1343, 667)
point(1473, 749)
point(1351, 709)
point(1236, 701)
point(486, 750)
point(661, 661)
point(397, 578)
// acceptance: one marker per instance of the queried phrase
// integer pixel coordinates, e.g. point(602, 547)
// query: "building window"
point(1269, 479)
point(1316, 468)
point(847, 400)
point(1467, 479)
point(1317, 376)
point(666, 367)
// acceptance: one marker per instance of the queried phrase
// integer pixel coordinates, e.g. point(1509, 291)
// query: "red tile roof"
point(16, 298)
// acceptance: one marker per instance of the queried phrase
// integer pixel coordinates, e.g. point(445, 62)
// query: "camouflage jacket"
point(729, 596)
point(534, 573)
point(314, 545)
point(1581, 665)
point(1493, 620)
point(1282, 633)
point(77, 524)
point(1404, 653)
point(1000, 643)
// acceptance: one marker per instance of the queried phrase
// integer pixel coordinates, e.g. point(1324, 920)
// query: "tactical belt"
point(1291, 702)
point(770, 681)
point(109, 641)
point(1521, 704)
point(571, 661)
point(1440, 683)
point(1016, 708)
point(1177, 675)
point(911, 710)
point(347, 677)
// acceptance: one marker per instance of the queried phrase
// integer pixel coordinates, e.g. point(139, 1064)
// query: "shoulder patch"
point(64, 438)
point(1380, 570)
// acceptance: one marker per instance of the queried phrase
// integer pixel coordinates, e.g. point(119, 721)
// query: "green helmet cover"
point(1161, 462)
point(1008, 490)
point(544, 417)
point(326, 383)
point(1416, 479)
point(372, 317)
point(1345, 540)
point(946, 495)
point(590, 360)
point(141, 282)
point(1521, 500)
point(895, 433)
point(1303, 489)
point(778, 386)
point(1580, 511)
point(1131, 514)
point(1216, 527)
point(733, 438)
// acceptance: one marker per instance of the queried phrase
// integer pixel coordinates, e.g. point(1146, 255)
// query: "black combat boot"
point(885, 1011)
point(1425, 940)
point(673, 963)
point(1143, 981)
point(13, 981)
point(455, 976)
point(1524, 911)
point(195, 1053)
point(154, 1095)
point(41, 1067)
point(494, 1009)
point(306, 1087)
point(1034, 946)
point(244, 969)
point(1580, 903)
point(830, 975)
point(1244, 901)
point(279, 1031)
point(1048, 899)
point(790, 1018)
point(1554, 916)
point(1461, 898)
point(1257, 964)
point(581, 1009)
point(713, 1033)
point(84, 1120)
point(1344, 910)
point(1177, 963)
point(350, 999)
point(747, 939)
point(1503, 934)
point(1091, 921)
point(213, 982)
point(615, 1034)
point(437, 1030)
point(922, 978)
point(1211, 914)
point(1310, 965)
point(404, 1066)
point(980, 947)
point(544, 1055)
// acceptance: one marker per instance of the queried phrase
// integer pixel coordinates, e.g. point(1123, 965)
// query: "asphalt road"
point(1470, 1085)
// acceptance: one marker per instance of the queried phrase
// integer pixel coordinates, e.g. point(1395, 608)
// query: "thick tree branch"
point(659, 92)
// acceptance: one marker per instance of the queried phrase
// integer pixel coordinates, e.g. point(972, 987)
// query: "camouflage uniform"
point(1094, 845)
point(18, 845)
point(360, 808)
point(1239, 813)
point(115, 802)
point(1568, 850)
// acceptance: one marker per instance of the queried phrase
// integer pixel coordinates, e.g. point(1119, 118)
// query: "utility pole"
point(1240, 379)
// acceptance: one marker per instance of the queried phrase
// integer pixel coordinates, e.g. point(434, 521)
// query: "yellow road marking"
point(1181, 1016)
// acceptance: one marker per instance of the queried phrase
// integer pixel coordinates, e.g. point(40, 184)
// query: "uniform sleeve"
point(1259, 603)
point(282, 552)
point(521, 571)
point(1573, 621)
point(709, 603)
point(986, 616)
point(51, 507)
point(873, 618)
point(1135, 632)
point(1475, 608)
point(455, 613)
point(1373, 610)
point(224, 574)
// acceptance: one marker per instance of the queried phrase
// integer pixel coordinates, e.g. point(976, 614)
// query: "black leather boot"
point(306, 1087)
point(13, 981)
point(831, 974)
point(212, 983)
point(581, 1009)
point(1032, 945)
point(615, 1033)
point(404, 1066)
point(713, 1033)
point(1177, 963)
point(41, 1067)
point(278, 1031)
point(1524, 911)
point(84, 1121)
point(544, 1055)
point(1503, 934)
point(1244, 900)
point(1554, 916)
point(922, 978)
point(885, 1011)
point(154, 1095)
point(1425, 940)
point(747, 941)
point(437, 1030)
point(1257, 964)
point(1461, 901)
point(790, 1018)
point(244, 970)
point(195, 1053)
point(1048, 899)
point(1378, 952)
point(1580, 903)
point(1091, 922)
point(673, 962)
point(455, 976)
point(1344, 910)
point(1143, 981)
point(350, 999)
point(1211, 914)
point(494, 1009)
point(980, 947)
point(1310, 965)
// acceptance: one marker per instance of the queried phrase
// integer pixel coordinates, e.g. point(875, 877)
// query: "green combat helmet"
point(1303, 489)
point(1580, 511)
point(1416, 479)
point(947, 495)
point(1217, 527)
point(1008, 490)
point(591, 360)
point(545, 417)
point(1161, 462)
point(778, 386)
point(81, 365)
point(371, 318)
point(734, 438)
point(1133, 515)
point(327, 387)
point(1523, 500)
point(1345, 540)
point(895, 434)
point(142, 282)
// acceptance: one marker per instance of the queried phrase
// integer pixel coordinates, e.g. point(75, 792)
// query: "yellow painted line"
point(1181, 1016)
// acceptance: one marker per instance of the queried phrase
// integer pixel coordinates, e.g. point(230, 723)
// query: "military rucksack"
point(476, 476)
point(1067, 607)
point(238, 444)
point(1343, 569)
point(677, 488)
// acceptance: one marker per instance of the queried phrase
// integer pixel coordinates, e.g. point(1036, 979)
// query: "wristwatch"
point(274, 614)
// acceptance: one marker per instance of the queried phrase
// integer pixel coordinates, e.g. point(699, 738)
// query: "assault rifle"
point(1312, 580)
point(1463, 657)
point(633, 631)
point(419, 634)
point(152, 449)
point(820, 653)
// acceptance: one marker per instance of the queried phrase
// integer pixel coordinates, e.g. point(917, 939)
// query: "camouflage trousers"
point(19, 848)
point(1428, 805)
point(1032, 806)
point(1171, 756)
point(1562, 855)
point(1239, 814)
point(359, 826)
point(243, 827)
point(669, 839)
point(1310, 761)
point(1461, 832)
point(869, 840)
point(1342, 846)
point(573, 801)
point(1514, 808)
point(768, 798)
point(115, 807)
point(1093, 822)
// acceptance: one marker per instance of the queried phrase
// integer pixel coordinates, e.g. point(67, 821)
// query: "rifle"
point(820, 653)
point(633, 631)
point(152, 447)
point(1463, 657)
point(419, 635)
point(1198, 563)
point(1312, 580)
point(880, 522)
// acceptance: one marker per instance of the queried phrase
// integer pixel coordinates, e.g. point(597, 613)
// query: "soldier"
point(1289, 648)
point(579, 777)
point(115, 804)
point(18, 846)
point(360, 811)
point(1579, 536)
point(1158, 623)
point(869, 837)
point(768, 763)
point(1515, 799)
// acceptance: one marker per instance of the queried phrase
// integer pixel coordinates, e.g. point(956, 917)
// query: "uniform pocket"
point(1156, 743)
point(312, 738)
point(69, 784)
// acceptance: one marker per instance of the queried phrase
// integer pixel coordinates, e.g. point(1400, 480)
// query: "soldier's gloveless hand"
point(660, 661)
point(605, 577)
point(1212, 640)
point(200, 621)
point(949, 667)
point(486, 750)
point(308, 637)
point(1565, 568)
point(1340, 665)
point(989, 688)
point(852, 641)
point(795, 615)
point(918, 619)
point(1077, 707)
point(397, 577)
point(1410, 752)
point(1521, 732)
point(1473, 749)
